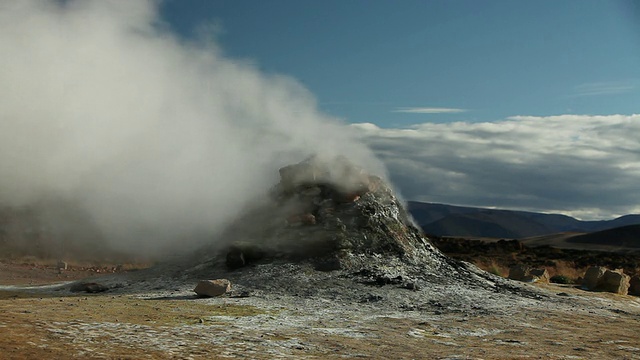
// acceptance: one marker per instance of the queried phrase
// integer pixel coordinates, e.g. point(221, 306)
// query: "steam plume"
point(155, 137)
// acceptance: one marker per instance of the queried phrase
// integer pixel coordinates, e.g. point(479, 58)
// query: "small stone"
point(211, 288)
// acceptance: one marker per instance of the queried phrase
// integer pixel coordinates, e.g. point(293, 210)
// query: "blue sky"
point(367, 61)
point(511, 104)
point(180, 111)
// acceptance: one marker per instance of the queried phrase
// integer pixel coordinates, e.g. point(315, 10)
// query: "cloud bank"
point(156, 138)
point(582, 165)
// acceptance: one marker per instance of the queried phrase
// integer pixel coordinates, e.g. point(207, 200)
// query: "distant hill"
point(624, 236)
point(449, 220)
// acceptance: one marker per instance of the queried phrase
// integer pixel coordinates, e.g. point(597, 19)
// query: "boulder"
point(592, 276)
point(62, 265)
point(527, 274)
point(211, 288)
point(614, 281)
point(541, 274)
point(519, 272)
point(634, 285)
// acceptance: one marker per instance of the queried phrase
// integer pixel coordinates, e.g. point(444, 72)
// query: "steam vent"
point(333, 214)
point(330, 229)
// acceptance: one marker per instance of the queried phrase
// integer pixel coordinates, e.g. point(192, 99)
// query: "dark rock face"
point(330, 211)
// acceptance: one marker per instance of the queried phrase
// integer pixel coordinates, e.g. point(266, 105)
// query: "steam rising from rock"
point(158, 139)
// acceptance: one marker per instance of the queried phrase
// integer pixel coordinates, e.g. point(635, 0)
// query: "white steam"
point(157, 138)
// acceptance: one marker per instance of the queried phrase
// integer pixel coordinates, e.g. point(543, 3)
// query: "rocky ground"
point(330, 266)
point(154, 314)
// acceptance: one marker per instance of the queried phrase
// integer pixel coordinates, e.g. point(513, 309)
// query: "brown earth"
point(33, 271)
point(128, 327)
point(56, 324)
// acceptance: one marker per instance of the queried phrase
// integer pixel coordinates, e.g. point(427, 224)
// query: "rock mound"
point(330, 212)
point(329, 230)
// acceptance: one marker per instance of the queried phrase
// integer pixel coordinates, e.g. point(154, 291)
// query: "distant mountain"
point(450, 220)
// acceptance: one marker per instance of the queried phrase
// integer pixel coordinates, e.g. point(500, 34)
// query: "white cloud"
point(428, 110)
point(156, 137)
point(603, 88)
point(580, 164)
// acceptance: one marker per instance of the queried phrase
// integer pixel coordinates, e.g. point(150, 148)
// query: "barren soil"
point(155, 315)
point(38, 272)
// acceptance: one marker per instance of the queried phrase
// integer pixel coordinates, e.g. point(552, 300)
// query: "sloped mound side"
point(330, 211)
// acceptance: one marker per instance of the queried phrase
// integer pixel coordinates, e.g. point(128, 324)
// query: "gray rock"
point(592, 276)
point(614, 281)
point(212, 288)
point(519, 272)
point(541, 274)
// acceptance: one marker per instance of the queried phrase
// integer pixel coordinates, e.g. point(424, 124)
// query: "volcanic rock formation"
point(330, 230)
point(332, 213)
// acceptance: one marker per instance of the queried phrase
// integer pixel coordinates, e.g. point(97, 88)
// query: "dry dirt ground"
point(168, 322)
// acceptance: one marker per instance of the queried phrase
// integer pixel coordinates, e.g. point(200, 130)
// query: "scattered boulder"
point(598, 278)
point(541, 274)
point(614, 281)
point(212, 288)
point(527, 274)
point(88, 287)
point(592, 276)
point(518, 272)
point(634, 285)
